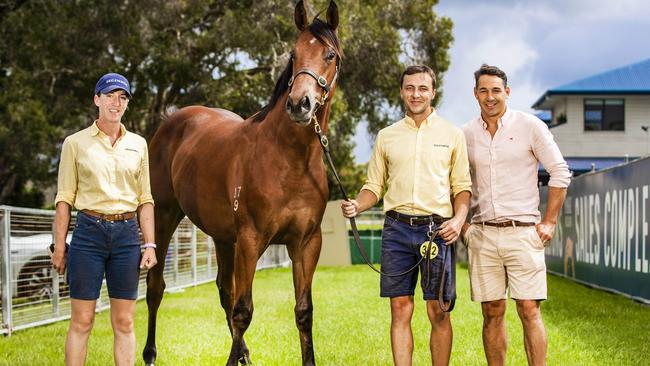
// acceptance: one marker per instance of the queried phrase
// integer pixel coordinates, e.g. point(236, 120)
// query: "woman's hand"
point(148, 258)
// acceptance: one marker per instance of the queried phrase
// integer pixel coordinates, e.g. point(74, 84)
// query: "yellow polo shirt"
point(97, 176)
point(419, 169)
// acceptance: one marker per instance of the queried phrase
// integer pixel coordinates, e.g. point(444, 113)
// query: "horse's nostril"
point(305, 104)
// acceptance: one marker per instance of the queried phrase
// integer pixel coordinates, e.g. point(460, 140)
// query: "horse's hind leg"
point(246, 255)
point(304, 259)
point(166, 221)
point(226, 285)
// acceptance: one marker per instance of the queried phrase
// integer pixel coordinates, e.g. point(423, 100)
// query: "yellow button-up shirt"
point(419, 169)
point(107, 179)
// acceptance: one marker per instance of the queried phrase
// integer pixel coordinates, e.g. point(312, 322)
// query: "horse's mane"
point(326, 35)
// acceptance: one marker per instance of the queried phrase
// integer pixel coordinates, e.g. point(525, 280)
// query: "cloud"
point(362, 148)
point(539, 45)
point(490, 42)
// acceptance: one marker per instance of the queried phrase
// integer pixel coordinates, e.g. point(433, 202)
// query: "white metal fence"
point(33, 294)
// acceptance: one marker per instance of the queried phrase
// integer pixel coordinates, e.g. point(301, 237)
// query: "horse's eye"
point(330, 55)
point(292, 55)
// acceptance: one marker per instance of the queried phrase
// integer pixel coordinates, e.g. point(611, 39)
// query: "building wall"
point(574, 141)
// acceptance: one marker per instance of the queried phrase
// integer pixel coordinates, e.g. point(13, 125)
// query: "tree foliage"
point(223, 54)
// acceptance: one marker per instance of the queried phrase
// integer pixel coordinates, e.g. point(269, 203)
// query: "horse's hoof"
point(149, 356)
point(245, 360)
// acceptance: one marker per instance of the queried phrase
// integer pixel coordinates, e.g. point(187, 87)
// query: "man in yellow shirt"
point(419, 165)
point(104, 173)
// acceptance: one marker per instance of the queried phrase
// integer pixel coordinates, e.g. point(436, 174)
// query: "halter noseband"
point(320, 80)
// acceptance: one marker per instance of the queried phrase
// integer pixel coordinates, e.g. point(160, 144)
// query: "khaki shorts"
point(505, 258)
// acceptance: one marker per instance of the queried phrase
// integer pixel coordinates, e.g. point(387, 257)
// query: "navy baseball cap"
point(112, 81)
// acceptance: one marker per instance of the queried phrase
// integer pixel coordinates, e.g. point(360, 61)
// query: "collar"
point(504, 119)
point(94, 130)
point(428, 121)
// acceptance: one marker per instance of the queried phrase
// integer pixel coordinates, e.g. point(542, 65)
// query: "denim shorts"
point(400, 250)
point(100, 247)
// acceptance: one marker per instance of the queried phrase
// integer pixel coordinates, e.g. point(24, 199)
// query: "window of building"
point(604, 115)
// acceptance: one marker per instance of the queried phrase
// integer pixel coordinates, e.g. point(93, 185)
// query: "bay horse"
point(249, 183)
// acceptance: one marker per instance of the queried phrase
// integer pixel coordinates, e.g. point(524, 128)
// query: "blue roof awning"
point(582, 165)
point(632, 79)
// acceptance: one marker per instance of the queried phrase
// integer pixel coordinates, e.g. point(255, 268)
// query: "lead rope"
point(450, 250)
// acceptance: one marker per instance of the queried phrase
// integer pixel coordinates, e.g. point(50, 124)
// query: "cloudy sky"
point(539, 44)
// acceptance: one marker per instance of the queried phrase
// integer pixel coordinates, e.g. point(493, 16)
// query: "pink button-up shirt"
point(504, 167)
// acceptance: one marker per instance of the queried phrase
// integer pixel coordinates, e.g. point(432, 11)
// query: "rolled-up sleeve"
point(459, 176)
point(144, 183)
point(67, 179)
point(377, 172)
point(548, 153)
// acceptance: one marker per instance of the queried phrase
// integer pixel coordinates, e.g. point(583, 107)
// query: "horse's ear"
point(300, 16)
point(333, 15)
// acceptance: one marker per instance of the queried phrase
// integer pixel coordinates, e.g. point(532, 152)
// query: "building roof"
point(545, 116)
point(630, 79)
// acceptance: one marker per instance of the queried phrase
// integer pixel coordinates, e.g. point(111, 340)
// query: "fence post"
point(6, 271)
point(194, 269)
point(56, 311)
point(175, 256)
point(55, 293)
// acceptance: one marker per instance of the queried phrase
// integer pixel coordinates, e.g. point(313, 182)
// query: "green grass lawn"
point(351, 323)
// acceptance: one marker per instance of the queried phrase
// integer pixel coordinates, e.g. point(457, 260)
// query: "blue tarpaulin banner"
point(602, 234)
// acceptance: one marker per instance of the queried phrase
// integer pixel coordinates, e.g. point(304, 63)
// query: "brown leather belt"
point(415, 220)
point(509, 223)
point(113, 217)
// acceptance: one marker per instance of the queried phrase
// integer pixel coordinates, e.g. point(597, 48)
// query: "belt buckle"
point(411, 220)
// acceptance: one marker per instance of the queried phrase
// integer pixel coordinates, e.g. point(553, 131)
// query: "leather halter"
point(320, 80)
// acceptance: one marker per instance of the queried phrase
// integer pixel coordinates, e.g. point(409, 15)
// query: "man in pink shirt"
point(507, 235)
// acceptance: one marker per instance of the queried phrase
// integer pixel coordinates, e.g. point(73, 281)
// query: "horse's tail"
point(164, 115)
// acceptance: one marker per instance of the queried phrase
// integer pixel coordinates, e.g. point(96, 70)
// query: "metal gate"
point(33, 294)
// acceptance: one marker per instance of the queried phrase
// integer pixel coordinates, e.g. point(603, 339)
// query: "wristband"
point(149, 245)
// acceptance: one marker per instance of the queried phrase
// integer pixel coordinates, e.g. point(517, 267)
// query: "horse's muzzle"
point(302, 119)
point(300, 111)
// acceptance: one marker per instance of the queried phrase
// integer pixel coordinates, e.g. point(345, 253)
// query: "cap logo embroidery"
point(109, 81)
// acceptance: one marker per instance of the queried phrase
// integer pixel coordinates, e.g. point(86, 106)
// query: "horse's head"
point(315, 63)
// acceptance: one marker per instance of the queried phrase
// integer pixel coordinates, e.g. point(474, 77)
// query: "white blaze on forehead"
point(312, 40)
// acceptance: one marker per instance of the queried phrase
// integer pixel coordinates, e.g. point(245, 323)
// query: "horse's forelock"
point(325, 34)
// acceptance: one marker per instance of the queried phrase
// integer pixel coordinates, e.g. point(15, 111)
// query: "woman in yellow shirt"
point(104, 174)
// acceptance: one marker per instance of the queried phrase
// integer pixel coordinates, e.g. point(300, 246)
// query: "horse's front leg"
point(305, 257)
point(246, 255)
